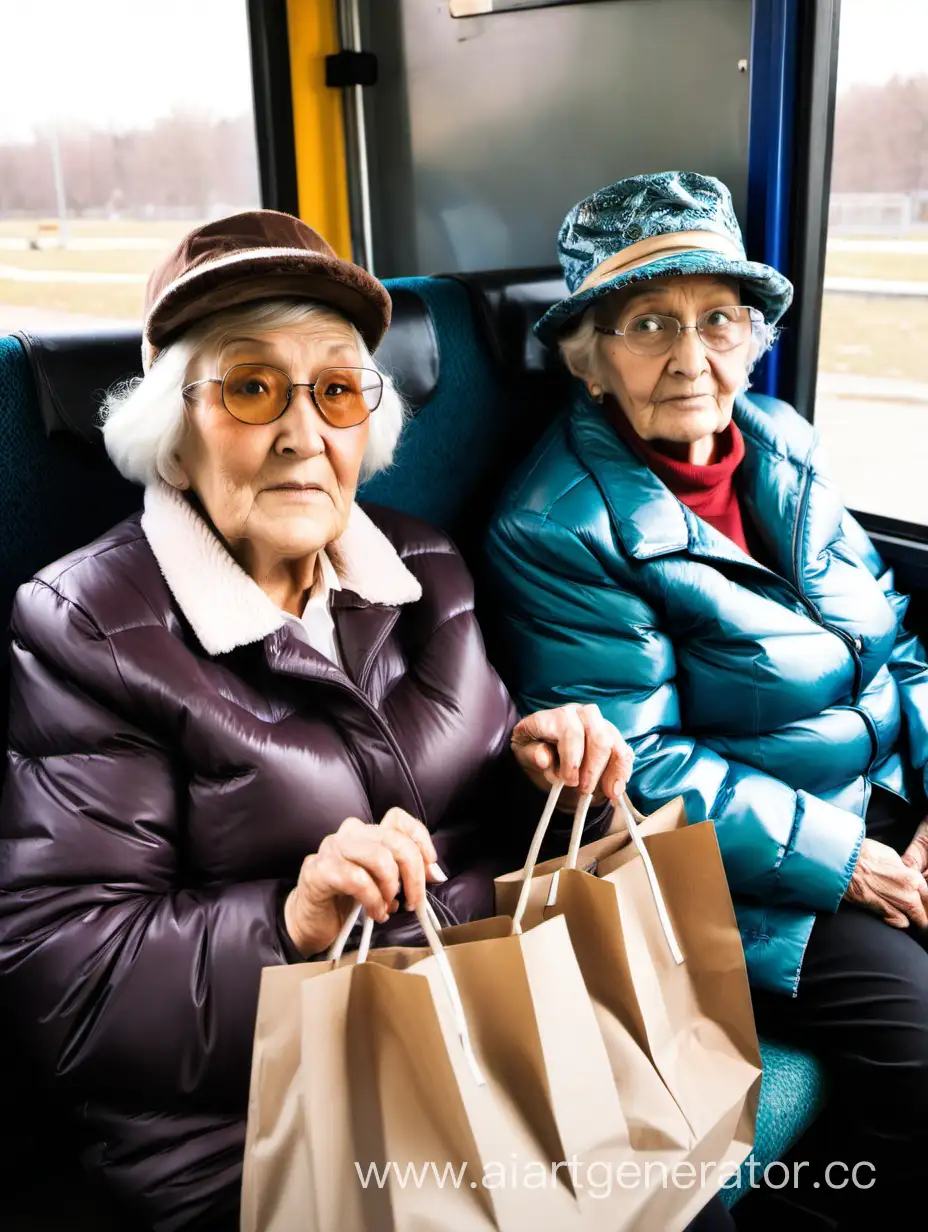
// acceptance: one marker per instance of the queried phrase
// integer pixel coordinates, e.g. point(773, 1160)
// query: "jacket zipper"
point(854, 644)
point(383, 727)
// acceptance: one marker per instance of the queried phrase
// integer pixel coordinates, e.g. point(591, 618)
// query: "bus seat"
point(485, 415)
point(480, 389)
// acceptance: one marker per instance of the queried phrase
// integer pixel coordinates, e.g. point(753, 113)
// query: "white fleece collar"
point(224, 606)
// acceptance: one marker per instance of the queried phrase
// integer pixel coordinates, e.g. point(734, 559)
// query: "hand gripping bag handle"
point(431, 926)
point(623, 810)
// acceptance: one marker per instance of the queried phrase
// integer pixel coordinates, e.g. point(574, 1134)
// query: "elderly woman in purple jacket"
point(243, 710)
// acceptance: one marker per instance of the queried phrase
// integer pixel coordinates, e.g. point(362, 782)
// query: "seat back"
point(494, 397)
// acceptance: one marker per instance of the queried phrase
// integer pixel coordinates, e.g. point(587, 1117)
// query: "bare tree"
point(881, 137)
point(182, 162)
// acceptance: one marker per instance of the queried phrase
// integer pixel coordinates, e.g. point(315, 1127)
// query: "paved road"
point(909, 247)
point(875, 452)
point(86, 243)
point(875, 286)
point(13, 273)
point(16, 316)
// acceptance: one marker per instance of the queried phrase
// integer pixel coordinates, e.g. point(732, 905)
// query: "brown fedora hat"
point(261, 254)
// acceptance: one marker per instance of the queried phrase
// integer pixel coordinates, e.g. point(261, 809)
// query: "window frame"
point(817, 36)
point(793, 95)
point(273, 104)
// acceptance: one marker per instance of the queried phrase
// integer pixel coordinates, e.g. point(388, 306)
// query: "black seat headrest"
point(409, 352)
point(508, 303)
point(73, 370)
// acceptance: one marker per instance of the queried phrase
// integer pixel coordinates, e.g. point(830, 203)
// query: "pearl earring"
point(596, 393)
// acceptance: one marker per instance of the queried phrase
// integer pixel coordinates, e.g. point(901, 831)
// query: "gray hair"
point(144, 420)
point(579, 349)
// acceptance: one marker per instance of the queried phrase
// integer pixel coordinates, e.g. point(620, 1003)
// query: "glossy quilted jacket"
point(770, 698)
point(157, 808)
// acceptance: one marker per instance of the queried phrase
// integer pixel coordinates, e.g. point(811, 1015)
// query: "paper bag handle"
point(663, 916)
point(573, 850)
point(531, 859)
point(430, 925)
point(630, 816)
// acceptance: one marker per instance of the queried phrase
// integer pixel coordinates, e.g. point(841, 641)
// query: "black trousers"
point(862, 1009)
point(714, 1217)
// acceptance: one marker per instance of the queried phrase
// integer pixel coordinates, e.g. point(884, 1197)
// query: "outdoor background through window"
point(872, 401)
point(117, 135)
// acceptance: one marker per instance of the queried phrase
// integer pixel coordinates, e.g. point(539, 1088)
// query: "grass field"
point(104, 261)
point(101, 300)
point(875, 336)
point(907, 267)
point(110, 300)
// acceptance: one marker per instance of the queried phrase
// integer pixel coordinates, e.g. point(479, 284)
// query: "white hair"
point(580, 348)
point(144, 420)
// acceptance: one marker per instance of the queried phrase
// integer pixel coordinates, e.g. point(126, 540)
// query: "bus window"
point(872, 396)
point(116, 137)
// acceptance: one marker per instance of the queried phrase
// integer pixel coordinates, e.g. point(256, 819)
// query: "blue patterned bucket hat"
point(655, 226)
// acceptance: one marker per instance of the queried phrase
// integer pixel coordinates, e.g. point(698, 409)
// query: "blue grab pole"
point(770, 147)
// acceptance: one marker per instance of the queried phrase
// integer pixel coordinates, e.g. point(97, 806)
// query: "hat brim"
point(277, 273)
point(772, 291)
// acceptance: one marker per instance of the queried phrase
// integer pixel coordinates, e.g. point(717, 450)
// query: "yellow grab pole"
point(322, 181)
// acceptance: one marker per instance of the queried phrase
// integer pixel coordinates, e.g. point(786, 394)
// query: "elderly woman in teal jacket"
point(673, 553)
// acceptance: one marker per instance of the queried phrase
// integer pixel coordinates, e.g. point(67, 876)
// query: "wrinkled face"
point(688, 393)
point(278, 491)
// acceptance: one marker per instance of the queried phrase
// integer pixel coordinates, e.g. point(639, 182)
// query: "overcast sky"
point(880, 38)
point(122, 63)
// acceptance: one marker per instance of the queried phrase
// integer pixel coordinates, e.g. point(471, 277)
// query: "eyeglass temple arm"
point(209, 380)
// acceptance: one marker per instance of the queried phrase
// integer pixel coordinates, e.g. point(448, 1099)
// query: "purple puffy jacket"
point(176, 750)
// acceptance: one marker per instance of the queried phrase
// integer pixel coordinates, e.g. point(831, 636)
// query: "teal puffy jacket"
point(770, 700)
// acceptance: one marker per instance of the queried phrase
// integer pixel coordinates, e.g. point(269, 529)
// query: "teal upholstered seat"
point(57, 492)
point(792, 1095)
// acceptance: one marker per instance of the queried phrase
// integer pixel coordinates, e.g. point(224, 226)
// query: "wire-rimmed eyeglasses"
point(259, 394)
point(720, 329)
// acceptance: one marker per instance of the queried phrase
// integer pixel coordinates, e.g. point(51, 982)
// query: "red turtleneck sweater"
point(709, 491)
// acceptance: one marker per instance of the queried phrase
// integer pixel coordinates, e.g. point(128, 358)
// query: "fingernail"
point(436, 874)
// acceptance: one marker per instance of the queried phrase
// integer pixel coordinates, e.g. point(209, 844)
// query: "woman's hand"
point(916, 854)
point(359, 863)
point(576, 745)
point(886, 886)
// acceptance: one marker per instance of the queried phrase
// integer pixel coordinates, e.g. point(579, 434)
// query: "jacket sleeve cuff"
point(820, 861)
point(289, 951)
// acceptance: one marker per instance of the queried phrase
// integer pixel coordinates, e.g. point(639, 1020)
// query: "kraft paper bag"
point(482, 1052)
point(654, 932)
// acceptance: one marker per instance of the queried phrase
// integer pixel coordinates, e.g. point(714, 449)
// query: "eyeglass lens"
point(721, 329)
point(258, 394)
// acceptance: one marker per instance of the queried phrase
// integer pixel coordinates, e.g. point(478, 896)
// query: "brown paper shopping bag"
point(431, 1088)
point(654, 931)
